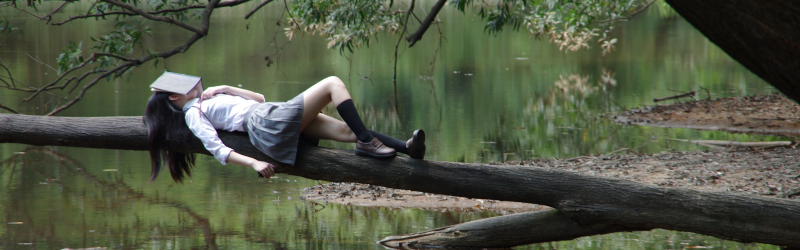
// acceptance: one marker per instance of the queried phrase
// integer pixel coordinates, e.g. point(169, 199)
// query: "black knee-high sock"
point(350, 116)
point(397, 145)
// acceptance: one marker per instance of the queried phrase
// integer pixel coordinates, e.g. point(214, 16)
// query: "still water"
point(480, 98)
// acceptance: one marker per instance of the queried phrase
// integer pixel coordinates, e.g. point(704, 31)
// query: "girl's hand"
point(266, 169)
point(212, 91)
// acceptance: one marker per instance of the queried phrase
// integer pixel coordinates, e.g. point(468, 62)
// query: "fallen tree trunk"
point(502, 231)
point(586, 200)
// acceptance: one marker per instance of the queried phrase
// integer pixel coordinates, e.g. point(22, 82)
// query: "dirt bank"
point(763, 114)
point(374, 196)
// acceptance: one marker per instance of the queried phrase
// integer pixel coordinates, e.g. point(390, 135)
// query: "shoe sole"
point(365, 153)
point(419, 136)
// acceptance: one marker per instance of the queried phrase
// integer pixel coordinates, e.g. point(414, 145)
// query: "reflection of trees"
point(564, 120)
point(67, 165)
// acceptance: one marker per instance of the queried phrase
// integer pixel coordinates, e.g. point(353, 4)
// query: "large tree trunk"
point(764, 36)
point(503, 231)
point(586, 200)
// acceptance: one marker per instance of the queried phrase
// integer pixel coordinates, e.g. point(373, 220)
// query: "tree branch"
point(205, 22)
point(413, 38)
point(40, 62)
point(158, 18)
point(396, 47)
point(50, 15)
point(89, 85)
point(14, 85)
point(133, 62)
point(629, 16)
point(222, 4)
point(79, 79)
point(48, 86)
point(47, 17)
point(129, 62)
point(31, 13)
point(8, 108)
point(95, 15)
point(393, 13)
point(256, 9)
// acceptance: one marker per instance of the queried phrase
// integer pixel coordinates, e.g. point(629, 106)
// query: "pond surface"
point(480, 98)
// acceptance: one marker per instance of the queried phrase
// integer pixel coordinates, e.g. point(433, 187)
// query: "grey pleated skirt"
point(274, 128)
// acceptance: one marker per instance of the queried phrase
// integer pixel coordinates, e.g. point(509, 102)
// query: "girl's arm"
point(266, 169)
point(203, 130)
point(247, 94)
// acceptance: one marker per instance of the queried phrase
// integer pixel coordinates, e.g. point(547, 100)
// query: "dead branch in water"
point(687, 94)
point(720, 143)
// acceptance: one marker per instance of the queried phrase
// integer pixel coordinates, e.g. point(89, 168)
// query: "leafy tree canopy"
point(571, 24)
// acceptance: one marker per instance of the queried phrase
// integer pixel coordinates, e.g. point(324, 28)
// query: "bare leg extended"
point(332, 89)
point(319, 126)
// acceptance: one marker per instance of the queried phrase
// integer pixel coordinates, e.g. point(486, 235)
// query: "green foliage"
point(122, 41)
point(30, 3)
point(7, 30)
point(70, 57)
point(665, 11)
point(346, 24)
point(571, 24)
point(119, 42)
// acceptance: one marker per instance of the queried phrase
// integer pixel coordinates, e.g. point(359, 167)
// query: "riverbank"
point(772, 114)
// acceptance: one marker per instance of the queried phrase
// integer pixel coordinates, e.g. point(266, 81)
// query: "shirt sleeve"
point(203, 129)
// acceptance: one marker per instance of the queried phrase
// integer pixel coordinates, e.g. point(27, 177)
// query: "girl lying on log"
point(180, 107)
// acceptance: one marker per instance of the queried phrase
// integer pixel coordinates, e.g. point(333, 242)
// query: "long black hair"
point(166, 126)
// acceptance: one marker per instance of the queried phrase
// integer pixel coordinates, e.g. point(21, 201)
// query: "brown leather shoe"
point(416, 145)
point(375, 149)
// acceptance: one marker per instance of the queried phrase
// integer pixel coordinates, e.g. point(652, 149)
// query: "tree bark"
point(423, 27)
point(585, 200)
point(764, 36)
point(503, 231)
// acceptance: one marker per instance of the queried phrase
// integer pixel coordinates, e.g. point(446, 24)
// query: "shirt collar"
point(189, 104)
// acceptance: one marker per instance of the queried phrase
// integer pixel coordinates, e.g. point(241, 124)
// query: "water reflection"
point(60, 202)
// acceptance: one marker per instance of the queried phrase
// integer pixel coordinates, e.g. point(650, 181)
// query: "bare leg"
point(315, 98)
point(315, 125)
point(329, 128)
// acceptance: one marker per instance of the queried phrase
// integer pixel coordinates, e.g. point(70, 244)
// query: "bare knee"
point(334, 82)
point(332, 79)
point(337, 89)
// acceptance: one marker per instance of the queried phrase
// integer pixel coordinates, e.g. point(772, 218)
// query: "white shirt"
point(224, 112)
